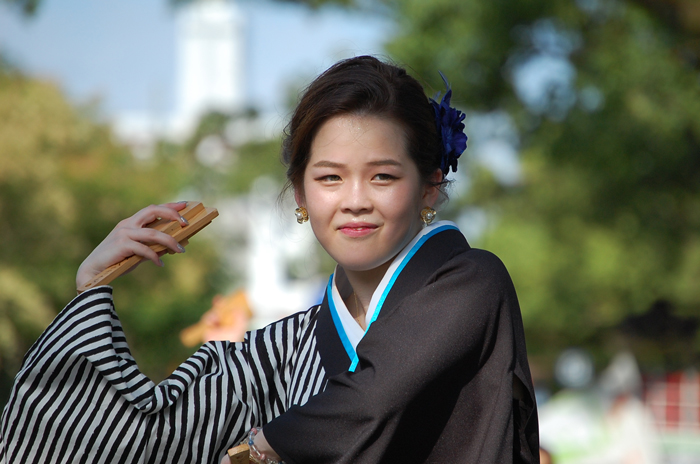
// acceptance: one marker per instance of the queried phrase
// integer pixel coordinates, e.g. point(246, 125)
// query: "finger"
point(144, 251)
point(151, 213)
point(177, 206)
point(148, 237)
point(169, 211)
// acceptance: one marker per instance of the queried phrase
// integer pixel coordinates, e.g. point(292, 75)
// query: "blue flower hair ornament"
point(450, 129)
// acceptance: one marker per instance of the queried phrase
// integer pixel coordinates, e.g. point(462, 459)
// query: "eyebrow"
point(331, 164)
point(327, 164)
point(384, 162)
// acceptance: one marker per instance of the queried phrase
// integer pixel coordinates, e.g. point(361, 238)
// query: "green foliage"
point(244, 162)
point(606, 219)
point(64, 184)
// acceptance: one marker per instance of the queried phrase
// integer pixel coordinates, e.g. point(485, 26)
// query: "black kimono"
point(441, 375)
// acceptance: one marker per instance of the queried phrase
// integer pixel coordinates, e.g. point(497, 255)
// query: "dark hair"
point(363, 86)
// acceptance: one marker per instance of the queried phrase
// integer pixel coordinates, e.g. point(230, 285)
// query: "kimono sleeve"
point(441, 360)
point(80, 397)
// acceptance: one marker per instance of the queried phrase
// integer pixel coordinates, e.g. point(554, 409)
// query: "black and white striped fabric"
point(80, 398)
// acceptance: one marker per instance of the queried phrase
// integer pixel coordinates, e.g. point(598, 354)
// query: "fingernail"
point(181, 248)
point(184, 221)
point(160, 262)
point(184, 201)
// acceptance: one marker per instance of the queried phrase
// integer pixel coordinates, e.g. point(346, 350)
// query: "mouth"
point(357, 229)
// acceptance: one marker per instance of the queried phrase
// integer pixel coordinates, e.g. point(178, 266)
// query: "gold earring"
point(427, 215)
point(301, 214)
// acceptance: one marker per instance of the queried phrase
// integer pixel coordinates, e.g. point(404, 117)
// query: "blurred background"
point(582, 174)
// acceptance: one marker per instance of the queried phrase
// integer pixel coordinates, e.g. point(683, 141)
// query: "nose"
point(356, 198)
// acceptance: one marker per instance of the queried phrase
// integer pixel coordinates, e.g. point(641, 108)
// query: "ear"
point(299, 197)
point(432, 192)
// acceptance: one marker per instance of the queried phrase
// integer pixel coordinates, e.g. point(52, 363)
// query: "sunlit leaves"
point(604, 221)
point(64, 184)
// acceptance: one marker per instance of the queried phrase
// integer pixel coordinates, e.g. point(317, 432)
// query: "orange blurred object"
point(226, 320)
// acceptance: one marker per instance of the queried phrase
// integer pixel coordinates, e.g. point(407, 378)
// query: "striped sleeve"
point(80, 398)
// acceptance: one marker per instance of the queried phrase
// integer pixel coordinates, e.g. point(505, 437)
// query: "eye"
point(329, 178)
point(384, 177)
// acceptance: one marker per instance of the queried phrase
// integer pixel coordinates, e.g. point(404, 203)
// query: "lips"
point(357, 229)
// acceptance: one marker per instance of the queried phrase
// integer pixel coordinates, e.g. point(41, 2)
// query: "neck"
point(357, 287)
point(362, 286)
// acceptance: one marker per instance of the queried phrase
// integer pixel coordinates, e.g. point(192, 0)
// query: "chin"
point(359, 265)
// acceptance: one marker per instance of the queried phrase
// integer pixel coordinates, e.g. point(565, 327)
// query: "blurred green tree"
point(604, 97)
point(64, 184)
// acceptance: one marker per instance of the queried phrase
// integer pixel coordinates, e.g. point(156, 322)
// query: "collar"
point(348, 329)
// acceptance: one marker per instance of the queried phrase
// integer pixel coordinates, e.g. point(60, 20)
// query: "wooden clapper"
point(239, 454)
point(196, 214)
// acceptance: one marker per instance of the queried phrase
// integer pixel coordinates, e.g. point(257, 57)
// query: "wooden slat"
point(239, 454)
point(196, 214)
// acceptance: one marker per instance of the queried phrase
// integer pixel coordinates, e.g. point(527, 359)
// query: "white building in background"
point(210, 44)
point(277, 258)
point(210, 61)
point(275, 245)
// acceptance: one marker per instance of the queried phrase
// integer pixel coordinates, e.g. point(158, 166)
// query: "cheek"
point(405, 202)
point(321, 207)
point(317, 200)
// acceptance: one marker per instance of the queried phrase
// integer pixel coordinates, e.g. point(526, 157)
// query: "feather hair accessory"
point(450, 128)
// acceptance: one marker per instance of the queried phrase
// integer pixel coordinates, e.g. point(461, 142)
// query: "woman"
point(416, 354)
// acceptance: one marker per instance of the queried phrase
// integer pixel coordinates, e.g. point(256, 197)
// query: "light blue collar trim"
point(349, 330)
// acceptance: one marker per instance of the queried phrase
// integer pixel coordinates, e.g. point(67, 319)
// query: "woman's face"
point(363, 192)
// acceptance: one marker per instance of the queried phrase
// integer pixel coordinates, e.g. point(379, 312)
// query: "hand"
point(128, 239)
point(264, 447)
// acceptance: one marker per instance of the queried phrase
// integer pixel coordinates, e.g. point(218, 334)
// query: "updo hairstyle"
point(363, 86)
